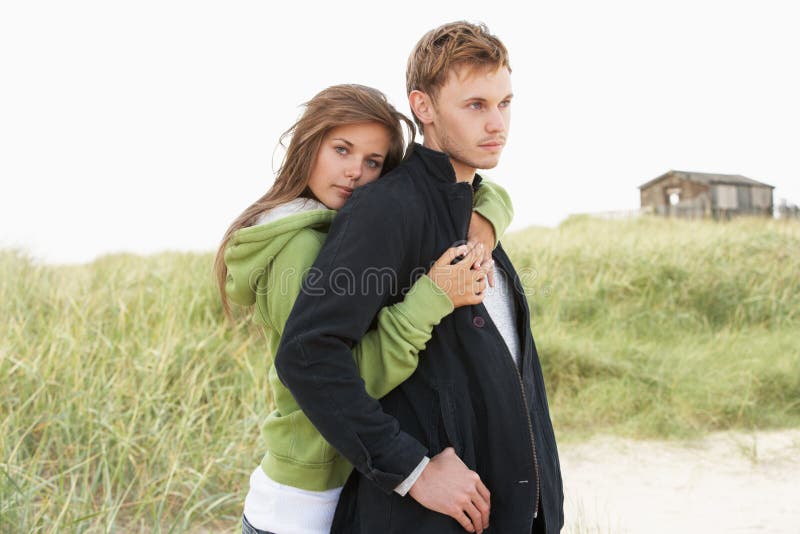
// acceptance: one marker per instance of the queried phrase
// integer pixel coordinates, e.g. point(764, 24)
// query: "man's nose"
point(496, 122)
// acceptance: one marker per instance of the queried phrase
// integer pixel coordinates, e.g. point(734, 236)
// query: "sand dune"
point(727, 482)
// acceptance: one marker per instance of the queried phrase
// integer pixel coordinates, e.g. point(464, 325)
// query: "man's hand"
point(482, 231)
point(447, 486)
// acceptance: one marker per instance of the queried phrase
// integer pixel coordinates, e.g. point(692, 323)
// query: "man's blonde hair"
point(448, 46)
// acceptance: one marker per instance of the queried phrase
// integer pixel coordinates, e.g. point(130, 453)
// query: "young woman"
point(348, 136)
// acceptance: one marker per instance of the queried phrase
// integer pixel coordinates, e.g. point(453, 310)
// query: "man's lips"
point(492, 144)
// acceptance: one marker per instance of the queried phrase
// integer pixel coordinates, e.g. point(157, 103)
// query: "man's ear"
point(421, 105)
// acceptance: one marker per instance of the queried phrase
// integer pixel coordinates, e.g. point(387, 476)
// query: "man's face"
point(471, 118)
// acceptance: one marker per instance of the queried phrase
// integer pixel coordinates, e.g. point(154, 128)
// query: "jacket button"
point(478, 321)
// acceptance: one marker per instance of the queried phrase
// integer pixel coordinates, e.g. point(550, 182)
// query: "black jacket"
point(467, 391)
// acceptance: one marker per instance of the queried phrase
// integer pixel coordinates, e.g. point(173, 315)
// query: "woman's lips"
point(344, 191)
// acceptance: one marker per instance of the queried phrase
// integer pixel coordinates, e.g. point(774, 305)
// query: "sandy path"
point(728, 482)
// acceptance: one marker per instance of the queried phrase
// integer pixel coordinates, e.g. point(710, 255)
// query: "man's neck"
point(463, 172)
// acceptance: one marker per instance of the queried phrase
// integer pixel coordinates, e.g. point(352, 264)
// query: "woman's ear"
point(422, 106)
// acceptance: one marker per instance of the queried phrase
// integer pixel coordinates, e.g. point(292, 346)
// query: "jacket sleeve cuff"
point(405, 486)
point(403, 457)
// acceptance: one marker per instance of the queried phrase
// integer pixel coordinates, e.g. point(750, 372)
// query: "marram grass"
point(666, 328)
point(128, 404)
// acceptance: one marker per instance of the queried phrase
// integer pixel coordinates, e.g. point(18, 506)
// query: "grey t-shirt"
point(499, 302)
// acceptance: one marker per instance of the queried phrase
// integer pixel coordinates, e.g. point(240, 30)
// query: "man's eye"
point(475, 105)
point(505, 103)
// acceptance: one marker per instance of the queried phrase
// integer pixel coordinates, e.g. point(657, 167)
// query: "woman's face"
point(349, 156)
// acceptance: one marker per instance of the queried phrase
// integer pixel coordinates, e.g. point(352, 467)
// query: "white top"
point(293, 207)
point(282, 509)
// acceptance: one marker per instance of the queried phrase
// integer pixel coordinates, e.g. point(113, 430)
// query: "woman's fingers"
point(452, 254)
point(484, 263)
point(473, 256)
point(489, 267)
point(479, 283)
point(486, 268)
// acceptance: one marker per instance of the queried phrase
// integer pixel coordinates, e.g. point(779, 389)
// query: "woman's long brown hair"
point(337, 105)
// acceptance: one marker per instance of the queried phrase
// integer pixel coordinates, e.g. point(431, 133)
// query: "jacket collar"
point(438, 165)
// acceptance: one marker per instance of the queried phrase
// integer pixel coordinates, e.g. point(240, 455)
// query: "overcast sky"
point(146, 126)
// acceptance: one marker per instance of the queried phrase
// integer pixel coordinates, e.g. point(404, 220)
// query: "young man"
point(466, 442)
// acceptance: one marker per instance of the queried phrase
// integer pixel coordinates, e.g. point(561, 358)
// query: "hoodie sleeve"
point(494, 203)
point(337, 304)
point(387, 354)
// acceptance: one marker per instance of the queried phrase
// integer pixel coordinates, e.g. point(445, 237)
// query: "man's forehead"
point(464, 71)
point(464, 75)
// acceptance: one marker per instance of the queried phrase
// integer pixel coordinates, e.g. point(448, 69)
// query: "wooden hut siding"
point(687, 194)
point(694, 198)
point(744, 203)
point(660, 195)
point(724, 197)
point(762, 198)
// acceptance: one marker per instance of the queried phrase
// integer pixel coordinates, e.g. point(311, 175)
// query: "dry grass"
point(129, 405)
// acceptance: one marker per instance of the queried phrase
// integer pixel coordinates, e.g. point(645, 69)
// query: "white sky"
point(146, 126)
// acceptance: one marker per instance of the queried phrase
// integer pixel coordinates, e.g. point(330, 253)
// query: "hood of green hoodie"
point(250, 250)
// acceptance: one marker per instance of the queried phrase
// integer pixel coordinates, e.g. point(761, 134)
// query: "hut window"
point(674, 196)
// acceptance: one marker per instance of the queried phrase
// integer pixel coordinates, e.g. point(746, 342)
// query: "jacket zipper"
point(510, 360)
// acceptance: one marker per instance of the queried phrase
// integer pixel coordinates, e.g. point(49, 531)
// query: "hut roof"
point(708, 178)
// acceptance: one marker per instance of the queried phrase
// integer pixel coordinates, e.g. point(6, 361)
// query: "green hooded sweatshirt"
point(266, 266)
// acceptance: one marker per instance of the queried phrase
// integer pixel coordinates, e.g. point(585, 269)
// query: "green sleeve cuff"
point(494, 203)
point(425, 304)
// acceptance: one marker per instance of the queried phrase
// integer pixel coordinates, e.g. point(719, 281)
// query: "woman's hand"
point(482, 231)
point(455, 274)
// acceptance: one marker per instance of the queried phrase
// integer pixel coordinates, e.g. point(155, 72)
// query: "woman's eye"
point(372, 164)
point(341, 149)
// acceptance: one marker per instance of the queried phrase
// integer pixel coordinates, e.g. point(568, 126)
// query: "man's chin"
point(479, 161)
point(488, 163)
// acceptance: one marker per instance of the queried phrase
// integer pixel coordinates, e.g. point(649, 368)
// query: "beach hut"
point(700, 194)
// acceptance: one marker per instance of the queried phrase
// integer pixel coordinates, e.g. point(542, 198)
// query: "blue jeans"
point(247, 528)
